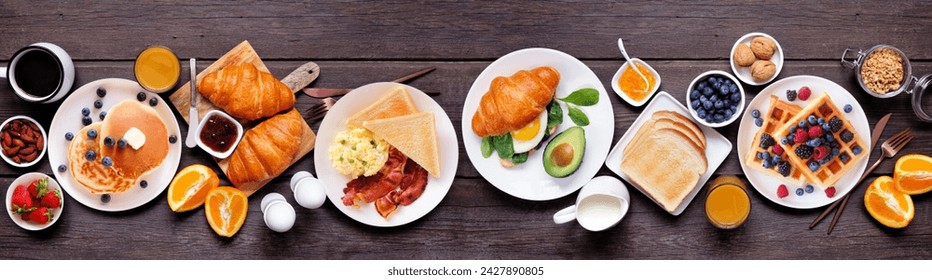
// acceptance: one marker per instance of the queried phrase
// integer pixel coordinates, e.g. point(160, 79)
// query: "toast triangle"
point(415, 135)
point(395, 103)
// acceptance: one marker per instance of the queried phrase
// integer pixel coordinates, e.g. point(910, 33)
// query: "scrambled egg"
point(358, 152)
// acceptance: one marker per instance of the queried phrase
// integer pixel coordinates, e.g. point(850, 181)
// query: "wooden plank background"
point(359, 42)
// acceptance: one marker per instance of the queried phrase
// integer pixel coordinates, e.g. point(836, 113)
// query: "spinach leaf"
point(519, 158)
point(583, 97)
point(554, 115)
point(578, 116)
point(486, 147)
point(503, 145)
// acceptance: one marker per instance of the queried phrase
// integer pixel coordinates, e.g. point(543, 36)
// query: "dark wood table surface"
point(359, 42)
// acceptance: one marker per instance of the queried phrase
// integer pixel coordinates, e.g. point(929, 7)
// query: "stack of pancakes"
point(129, 163)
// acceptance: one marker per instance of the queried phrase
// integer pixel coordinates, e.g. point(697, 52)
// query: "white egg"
point(310, 193)
point(279, 216)
point(530, 135)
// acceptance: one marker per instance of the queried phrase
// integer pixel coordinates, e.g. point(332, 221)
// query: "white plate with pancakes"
point(529, 180)
point(717, 148)
point(335, 182)
point(767, 183)
point(68, 118)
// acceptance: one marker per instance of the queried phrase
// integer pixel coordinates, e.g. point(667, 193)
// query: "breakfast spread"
point(22, 140)
point(245, 92)
point(882, 71)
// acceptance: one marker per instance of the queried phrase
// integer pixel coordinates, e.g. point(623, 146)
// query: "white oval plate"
point(529, 180)
point(68, 119)
point(767, 185)
point(335, 182)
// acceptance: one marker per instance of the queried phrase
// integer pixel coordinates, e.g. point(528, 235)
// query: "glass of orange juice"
point(157, 69)
point(727, 204)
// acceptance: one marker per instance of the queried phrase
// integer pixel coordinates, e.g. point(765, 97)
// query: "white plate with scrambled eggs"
point(335, 180)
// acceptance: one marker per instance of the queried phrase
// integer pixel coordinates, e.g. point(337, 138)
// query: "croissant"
point(245, 92)
point(267, 149)
point(513, 102)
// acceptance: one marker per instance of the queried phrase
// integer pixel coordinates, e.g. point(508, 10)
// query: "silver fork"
point(890, 148)
point(319, 110)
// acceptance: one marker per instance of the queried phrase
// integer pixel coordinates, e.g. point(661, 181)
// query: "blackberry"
point(784, 169)
point(835, 124)
point(804, 151)
point(791, 95)
point(847, 136)
point(766, 141)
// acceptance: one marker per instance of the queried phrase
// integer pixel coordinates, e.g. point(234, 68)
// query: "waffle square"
point(835, 165)
point(779, 113)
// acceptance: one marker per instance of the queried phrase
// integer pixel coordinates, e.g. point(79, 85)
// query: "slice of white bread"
point(685, 122)
point(415, 135)
point(395, 103)
point(666, 164)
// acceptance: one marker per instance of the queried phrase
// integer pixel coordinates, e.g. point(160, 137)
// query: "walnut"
point(763, 47)
point(743, 56)
point(763, 70)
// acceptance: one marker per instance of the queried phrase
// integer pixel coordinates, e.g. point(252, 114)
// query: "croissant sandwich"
point(267, 149)
point(245, 92)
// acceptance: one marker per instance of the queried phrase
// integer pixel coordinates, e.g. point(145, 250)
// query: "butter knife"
point(875, 137)
point(330, 92)
point(193, 117)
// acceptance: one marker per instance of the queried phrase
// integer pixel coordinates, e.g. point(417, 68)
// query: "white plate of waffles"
point(829, 160)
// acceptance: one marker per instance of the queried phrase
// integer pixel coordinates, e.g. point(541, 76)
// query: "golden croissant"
point(245, 92)
point(513, 102)
point(267, 149)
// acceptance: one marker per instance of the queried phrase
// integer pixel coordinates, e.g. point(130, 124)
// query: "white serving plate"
point(717, 146)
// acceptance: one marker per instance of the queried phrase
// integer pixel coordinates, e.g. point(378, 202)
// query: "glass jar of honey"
point(727, 203)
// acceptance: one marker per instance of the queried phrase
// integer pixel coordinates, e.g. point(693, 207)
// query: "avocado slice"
point(564, 153)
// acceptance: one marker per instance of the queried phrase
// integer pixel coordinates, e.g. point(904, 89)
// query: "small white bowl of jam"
point(218, 134)
point(630, 86)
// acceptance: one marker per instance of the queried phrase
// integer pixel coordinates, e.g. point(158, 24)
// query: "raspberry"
point(766, 141)
point(835, 124)
point(784, 169)
point(847, 136)
point(804, 151)
point(791, 95)
point(820, 153)
point(777, 149)
point(804, 93)
point(801, 136)
point(815, 131)
point(830, 192)
point(783, 192)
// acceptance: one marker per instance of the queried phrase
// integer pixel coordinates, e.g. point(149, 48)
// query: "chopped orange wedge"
point(913, 174)
point(190, 186)
point(887, 205)
point(226, 209)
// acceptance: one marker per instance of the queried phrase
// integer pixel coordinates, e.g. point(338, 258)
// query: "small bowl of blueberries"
point(715, 98)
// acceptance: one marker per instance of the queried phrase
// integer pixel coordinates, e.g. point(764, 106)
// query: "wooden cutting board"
point(244, 53)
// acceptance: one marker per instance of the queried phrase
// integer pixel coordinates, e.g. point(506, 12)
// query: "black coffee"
point(38, 73)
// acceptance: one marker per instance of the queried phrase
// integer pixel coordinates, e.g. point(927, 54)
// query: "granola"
point(882, 72)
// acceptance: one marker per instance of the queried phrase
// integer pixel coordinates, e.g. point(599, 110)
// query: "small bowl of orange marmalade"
point(633, 88)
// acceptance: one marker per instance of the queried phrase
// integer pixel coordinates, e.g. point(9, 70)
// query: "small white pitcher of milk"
point(601, 204)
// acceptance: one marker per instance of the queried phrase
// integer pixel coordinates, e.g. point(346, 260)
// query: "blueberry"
point(765, 156)
point(85, 111)
point(87, 120)
point(108, 141)
point(105, 198)
point(702, 86)
point(776, 159)
point(172, 139)
point(718, 118)
point(844, 158)
point(707, 91)
point(98, 104)
point(848, 108)
point(703, 99)
point(121, 143)
point(90, 155)
point(103, 114)
point(707, 105)
point(92, 133)
point(735, 96)
point(825, 160)
point(143, 184)
point(767, 164)
point(728, 113)
point(792, 129)
point(714, 98)
point(784, 141)
point(856, 150)
point(695, 103)
point(107, 162)
point(760, 155)
point(835, 151)
point(719, 104)
point(812, 120)
point(815, 142)
point(716, 85)
point(813, 166)
point(799, 191)
point(802, 124)
point(101, 92)
point(835, 145)
point(709, 119)
point(153, 101)
point(141, 96)
point(726, 103)
point(825, 127)
point(723, 89)
point(62, 168)
point(829, 138)
point(69, 136)
point(809, 189)
point(760, 122)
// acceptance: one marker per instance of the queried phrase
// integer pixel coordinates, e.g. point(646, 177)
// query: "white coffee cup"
point(63, 65)
point(601, 204)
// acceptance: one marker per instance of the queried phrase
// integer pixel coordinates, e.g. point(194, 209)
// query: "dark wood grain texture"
point(359, 42)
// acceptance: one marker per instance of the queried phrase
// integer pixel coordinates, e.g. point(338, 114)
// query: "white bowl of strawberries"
point(34, 201)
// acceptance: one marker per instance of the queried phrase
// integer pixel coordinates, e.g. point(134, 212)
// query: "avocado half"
point(564, 153)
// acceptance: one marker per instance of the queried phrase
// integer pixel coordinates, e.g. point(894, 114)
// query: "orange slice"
point(887, 205)
point(913, 174)
point(190, 186)
point(226, 209)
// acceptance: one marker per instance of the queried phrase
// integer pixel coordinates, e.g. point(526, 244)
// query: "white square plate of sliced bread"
point(666, 155)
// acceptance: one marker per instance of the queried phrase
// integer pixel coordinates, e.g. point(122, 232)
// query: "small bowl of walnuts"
point(756, 58)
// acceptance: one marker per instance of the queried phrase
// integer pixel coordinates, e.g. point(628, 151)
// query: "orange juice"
point(157, 69)
point(727, 204)
point(632, 83)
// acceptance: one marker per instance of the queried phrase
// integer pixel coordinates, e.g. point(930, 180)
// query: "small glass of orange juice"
point(727, 204)
point(157, 69)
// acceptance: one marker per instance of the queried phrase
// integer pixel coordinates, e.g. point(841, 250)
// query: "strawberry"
point(815, 131)
point(801, 136)
point(782, 191)
point(52, 199)
point(21, 201)
point(38, 188)
point(24, 216)
point(830, 192)
point(42, 215)
point(804, 93)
